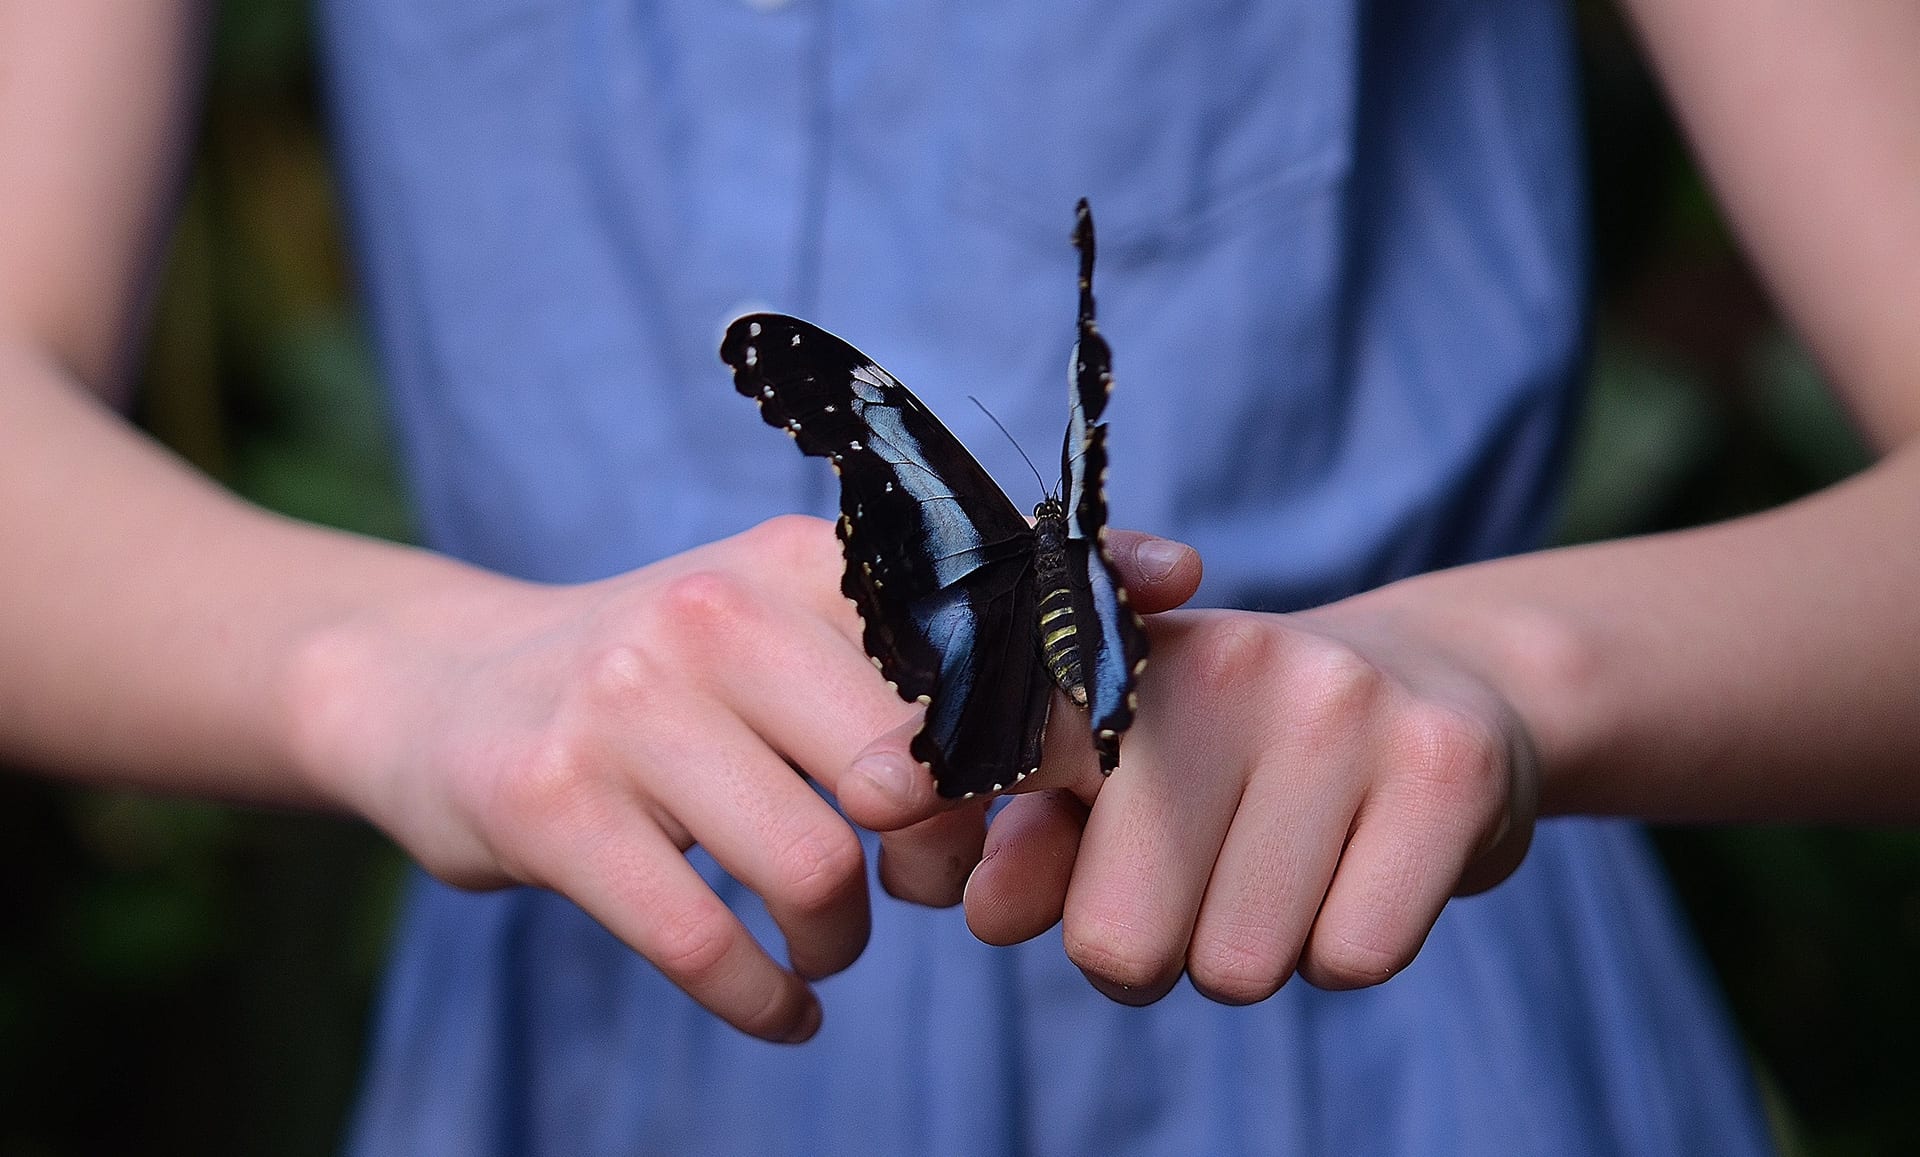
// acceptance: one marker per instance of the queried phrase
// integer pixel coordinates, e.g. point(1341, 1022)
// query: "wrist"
point(1540, 660)
point(358, 682)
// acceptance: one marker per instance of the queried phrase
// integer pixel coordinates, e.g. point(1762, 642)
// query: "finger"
point(928, 863)
point(1068, 761)
point(885, 788)
point(804, 685)
point(1387, 891)
point(770, 830)
point(631, 878)
point(1411, 844)
point(1019, 889)
point(1271, 877)
point(1159, 573)
point(1145, 857)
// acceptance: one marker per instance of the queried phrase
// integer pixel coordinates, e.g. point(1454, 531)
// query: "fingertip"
point(810, 1019)
point(886, 789)
point(1019, 888)
point(929, 863)
point(1159, 573)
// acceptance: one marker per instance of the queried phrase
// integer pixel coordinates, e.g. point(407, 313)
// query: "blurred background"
point(180, 978)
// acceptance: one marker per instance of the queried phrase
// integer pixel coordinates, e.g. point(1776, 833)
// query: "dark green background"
point(183, 978)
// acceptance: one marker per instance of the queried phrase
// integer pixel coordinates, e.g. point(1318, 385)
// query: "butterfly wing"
point(1113, 655)
point(937, 557)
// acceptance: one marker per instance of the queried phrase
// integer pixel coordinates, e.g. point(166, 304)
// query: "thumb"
point(1159, 573)
point(886, 788)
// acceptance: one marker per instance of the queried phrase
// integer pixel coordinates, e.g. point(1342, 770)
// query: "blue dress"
point(1342, 269)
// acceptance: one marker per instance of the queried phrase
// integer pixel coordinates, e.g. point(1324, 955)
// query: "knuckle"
point(547, 785)
point(1237, 965)
point(702, 619)
point(819, 866)
point(694, 943)
point(705, 604)
point(1335, 685)
point(1339, 959)
point(619, 677)
point(549, 790)
point(1454, 755)
point(1228, 655)
point(1113, 951)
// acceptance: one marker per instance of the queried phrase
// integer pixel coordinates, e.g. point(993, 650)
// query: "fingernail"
point(891, 775)
point(1156, 558)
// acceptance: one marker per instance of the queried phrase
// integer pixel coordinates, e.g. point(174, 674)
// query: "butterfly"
point(965, 608)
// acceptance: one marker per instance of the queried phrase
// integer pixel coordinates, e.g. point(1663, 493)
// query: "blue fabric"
point(1341, 265)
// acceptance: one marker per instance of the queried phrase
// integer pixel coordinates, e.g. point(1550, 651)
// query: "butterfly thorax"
point(1054, 625)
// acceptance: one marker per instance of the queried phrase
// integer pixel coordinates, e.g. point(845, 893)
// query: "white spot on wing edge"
point(742, 309)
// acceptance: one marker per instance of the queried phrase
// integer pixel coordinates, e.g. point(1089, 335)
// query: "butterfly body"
point(1055, 626)
point(965, 607)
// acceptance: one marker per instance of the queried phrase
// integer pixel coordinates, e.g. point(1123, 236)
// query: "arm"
point(1307, 791)
point(158, 633)
point(1765, 668)
point(161, 634)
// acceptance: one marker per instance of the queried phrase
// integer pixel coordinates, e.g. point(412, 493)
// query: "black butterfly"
point(966, 608)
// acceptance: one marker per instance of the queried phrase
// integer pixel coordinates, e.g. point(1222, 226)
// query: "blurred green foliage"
point(185, 978)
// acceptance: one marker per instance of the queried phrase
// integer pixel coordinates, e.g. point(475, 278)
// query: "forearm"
point(151, 624)
point(1806, 118)
point(1767, 667)
point(1762, 668)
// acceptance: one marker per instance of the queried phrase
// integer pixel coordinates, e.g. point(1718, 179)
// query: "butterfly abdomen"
point(1054, 626)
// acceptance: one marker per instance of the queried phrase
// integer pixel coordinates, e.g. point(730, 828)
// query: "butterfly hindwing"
point(1111, 638)
point(986, 722)
point(936, 554)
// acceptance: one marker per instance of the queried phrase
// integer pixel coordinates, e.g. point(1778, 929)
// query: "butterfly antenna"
point(1016, 444)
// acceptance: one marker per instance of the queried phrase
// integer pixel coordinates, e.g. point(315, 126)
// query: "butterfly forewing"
point(936, 554)
point(942, 566)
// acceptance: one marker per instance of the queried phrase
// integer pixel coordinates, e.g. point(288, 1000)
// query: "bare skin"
point(1305, 792)
point(162, 635)
point(1300, 793)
